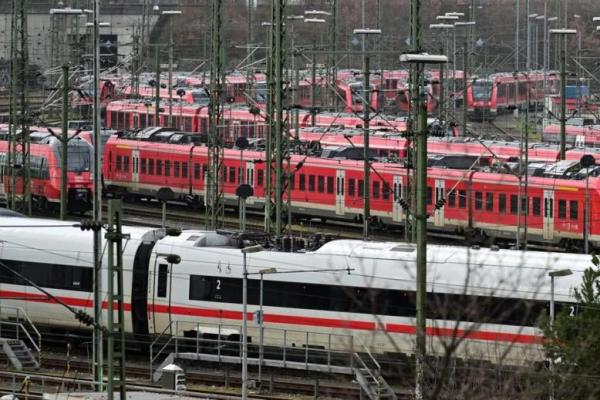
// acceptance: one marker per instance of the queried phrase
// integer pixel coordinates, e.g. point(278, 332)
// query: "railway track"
point(55, 376)
point(150, 213)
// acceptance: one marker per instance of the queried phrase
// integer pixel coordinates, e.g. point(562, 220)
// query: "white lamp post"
point(170, 14)
point(245, 251)
point(554, 274)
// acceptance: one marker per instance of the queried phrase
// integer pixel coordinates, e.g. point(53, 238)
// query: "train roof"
point(62, 241)
point(453, 269)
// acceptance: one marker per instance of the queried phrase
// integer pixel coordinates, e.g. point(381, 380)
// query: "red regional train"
point(505, 91)
point(45, 171)
point(577, 136)
point(482, 206)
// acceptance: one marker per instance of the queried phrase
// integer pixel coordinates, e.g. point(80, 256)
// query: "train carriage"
point(480, 205)
point(491, 299)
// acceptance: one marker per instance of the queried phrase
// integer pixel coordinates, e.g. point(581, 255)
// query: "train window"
point(200, 288)
point(386, 191)
point(302, 183)
point(119, 163)
point(184, 169)
point(524, 205)
point(489, 201)
point(452, 198)
point(161, 286)
point(159, 166)
point(292, 181)
point(150, 166)
point(573, 212)
point(361, 188)
point(47, 275)
point(351, 185)
point(232, 174)
point(462, 199)
point(321, 185)
point(176, 169)
point(126, 163)
point(478, 200)
point(318, 296)
point(330, 184)
point(514, 204)
point(240, 175)
point(429, 195)
point(311, 183)
point(376, 189)
point(167, 168)
point(562, 209)
point(502, 203)
point(143, 165)
point(260, 177)
point(197, 170)
point(187, 124)
point(203, 125)
point(537, 206)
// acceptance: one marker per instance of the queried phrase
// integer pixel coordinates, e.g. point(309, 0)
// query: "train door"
point(397, 208)
point(3, 177)
point(339, 193)
point(135, 171)
point(438, 218)
point(161, 295)
point(548, 214)
point(250, 179)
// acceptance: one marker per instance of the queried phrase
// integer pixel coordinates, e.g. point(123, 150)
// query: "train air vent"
point(405, 249)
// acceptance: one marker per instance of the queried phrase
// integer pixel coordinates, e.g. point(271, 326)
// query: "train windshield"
point(482, 90)
point(80, 156)
point(356, 89)
point(261, 92)
point(200, 97)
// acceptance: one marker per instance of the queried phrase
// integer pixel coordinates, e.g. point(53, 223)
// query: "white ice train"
point(491, 299)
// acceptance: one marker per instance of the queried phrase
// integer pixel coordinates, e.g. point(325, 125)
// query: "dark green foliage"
point(575, 343)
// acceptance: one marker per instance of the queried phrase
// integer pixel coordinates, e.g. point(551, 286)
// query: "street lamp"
point(563, 83)
point(260, 318)
point(467, 25)
point(245, 252)
point(365, 32)
point(554, 274)
point(420, 214)
point(170, 14)
point(313, 90)
point(442, 109)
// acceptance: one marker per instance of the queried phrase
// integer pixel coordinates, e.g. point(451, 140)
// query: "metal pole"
point(157, 91)
point(245, 331)
point(526, 177)
point(517, 26)
point(171, 44)
point(586, 232)
point(313, 86)
point(528, 40)
point(262, 334)
point(64, 144)
point(97, 208)
point(551, 397)
point(563, 104)
point(367, 164)
point(164, 215)
point(465, 80)
point(420, 218)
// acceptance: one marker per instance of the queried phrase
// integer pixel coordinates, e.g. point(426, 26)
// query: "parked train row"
point(490, 300)
point(482, 205)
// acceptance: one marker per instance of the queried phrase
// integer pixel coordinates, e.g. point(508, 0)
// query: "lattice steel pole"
point(280, 139)
point(19, 107)
point(214, 190)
